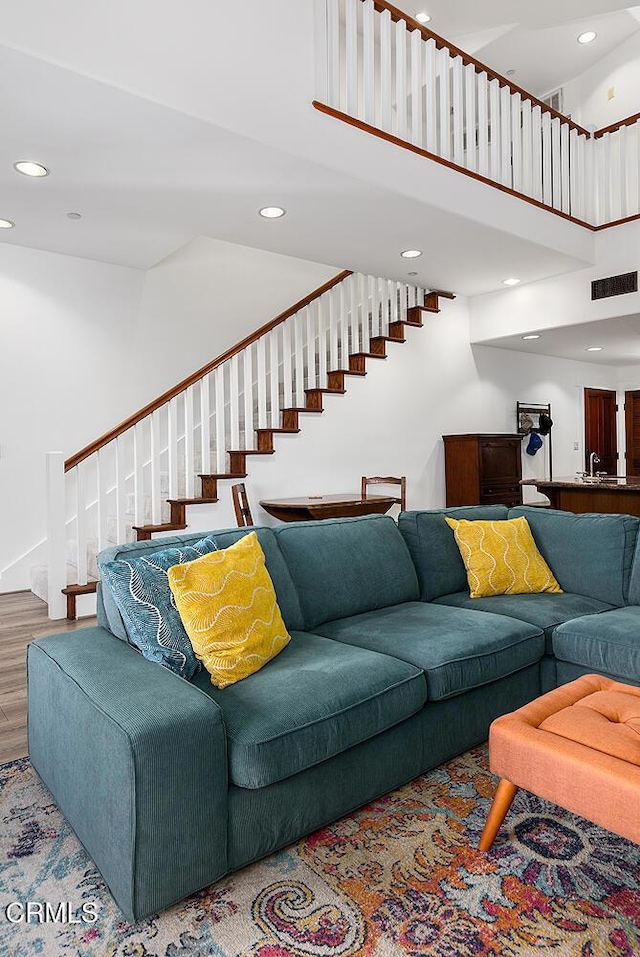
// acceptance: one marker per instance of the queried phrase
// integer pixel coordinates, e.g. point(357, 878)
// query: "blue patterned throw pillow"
point(140, 589)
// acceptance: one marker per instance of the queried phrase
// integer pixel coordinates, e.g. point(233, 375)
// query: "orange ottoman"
point(577, 746)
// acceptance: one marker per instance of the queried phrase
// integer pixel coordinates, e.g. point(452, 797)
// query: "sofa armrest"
point(135, 757)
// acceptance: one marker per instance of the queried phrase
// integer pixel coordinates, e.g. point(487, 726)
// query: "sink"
point(602, 479)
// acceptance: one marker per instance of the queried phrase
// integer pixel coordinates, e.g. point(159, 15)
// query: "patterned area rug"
point(400, 877)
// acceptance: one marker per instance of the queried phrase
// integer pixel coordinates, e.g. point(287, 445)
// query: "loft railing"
point(127, 477)
point(388, 74)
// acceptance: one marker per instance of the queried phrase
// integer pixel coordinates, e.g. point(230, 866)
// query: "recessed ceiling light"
point(423, 17)
point(532, 336)
point(412, 274)
point(272, 212)
point(594, 349)
point(74, 215)
point(510, 73)
point(587, 37)
point(6, 224)
point(510, 282)
point(411, 253)
point(27, 168)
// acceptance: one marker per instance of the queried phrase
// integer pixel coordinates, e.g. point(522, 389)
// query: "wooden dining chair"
point(241, 505)
point(387, 480)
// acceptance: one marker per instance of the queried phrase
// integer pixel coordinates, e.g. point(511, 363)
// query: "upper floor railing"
point(390, 75)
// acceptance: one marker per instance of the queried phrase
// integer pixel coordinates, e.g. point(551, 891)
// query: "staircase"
point(139, 479)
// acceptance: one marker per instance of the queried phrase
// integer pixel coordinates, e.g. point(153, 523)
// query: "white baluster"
point(56, 535)
point(154, 456)
point(393, 301)
point(138, 474)
point(287, 374)
point(374, 299)
point(575, 173)
point(262, 383)
point(416, 87)
point(556, 161)
point(189, 463)
point(352, 56)
point(322, 313)
point(527, 150)
point(516, 140)
point(121, 487)
point(483, 124)
point(431, 103)
point(172, 447)
point(591, 187)
point(299, 359)
point(81, 523)
point(334, 352)
point(342, 324)
point(604, 178)
point(401, 79)
point(333, 53)
point(354, 338)
point(495, 165)
point(103, 494)
point(205, 424)
point(221, 444)
point(247, 385)
point(505, 137)
point(234, 403)
point(458, 111)
point(444, 62)
point(368, 77)
point(385, 72)
point(536, 153)
point(622, 192)
point(363, 296)
point(471, 158)
point(274, 379)
point(565, 197)
point(547, 168)
point(633, 191)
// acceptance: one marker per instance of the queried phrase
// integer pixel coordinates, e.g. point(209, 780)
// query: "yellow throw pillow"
point(501, 558)
point(229, 610)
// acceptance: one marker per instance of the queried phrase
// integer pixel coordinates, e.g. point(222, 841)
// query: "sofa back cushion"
point(276, 566)
point(433, 547)
point(347, 566)
point(589, 554)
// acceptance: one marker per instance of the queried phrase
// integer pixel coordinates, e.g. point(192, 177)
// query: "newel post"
point(56, 535)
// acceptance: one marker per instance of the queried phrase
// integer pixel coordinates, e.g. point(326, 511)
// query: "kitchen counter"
point(607, 493)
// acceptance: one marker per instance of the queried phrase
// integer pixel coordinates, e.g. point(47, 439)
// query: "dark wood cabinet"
point(483, 469)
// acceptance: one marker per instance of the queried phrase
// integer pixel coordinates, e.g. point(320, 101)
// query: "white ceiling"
point(535, 39)
point(619, 338)
point(161, 124)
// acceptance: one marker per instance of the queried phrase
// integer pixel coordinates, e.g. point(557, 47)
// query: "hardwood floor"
point(22, 618)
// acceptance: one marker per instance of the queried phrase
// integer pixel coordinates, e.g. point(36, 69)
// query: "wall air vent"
point(614, 286)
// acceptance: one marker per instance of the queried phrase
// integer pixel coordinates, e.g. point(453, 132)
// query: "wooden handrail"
point(406, 145)
point(196, 376)
point(628, 121)
point(441, 43)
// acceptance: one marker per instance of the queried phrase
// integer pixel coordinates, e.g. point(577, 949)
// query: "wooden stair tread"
point(166, 527)
point(192, 501)
point(367, 355)
point(86, 589)
point(279, 431)
point(350, 371)
point(249, 452)
point(222, 475)
point(300, 408)
point(326, 391)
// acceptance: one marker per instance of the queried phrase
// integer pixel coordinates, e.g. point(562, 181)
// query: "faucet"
point(594, 459)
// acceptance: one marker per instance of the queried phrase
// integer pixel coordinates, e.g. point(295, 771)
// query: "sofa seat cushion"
point(316, 699)
point(605, 643)
point(546, 611)
point(457, 649)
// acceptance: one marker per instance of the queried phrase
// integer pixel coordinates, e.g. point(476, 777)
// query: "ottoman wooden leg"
point(502, 801)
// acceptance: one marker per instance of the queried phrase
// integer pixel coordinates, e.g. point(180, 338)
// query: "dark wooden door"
point(632, 428)
point(600, 429)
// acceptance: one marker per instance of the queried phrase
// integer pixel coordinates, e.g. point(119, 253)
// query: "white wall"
point(585, 97)
point(84, 345)
point(562, 300)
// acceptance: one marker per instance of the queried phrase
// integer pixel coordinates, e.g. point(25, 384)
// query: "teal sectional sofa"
point(391, 670)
